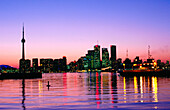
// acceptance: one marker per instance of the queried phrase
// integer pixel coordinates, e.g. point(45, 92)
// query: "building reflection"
point(124, 89)
point(113, 86)
point(97, 90)
point(139, 86)
point(104, 87)
point(83, 89)
point(155, 89)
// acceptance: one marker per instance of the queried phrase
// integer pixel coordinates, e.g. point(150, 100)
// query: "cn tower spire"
point(23, 41)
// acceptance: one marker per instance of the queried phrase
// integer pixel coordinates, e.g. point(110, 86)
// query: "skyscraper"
point(97, 57)
point(113, 53)
point(90, 57)
point(105, 57)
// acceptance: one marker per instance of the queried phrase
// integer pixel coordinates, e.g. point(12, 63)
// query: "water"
point(86, 91)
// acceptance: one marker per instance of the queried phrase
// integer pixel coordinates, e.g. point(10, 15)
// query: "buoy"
point(48, 85)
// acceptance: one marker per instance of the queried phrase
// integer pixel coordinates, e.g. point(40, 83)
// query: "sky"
point(57, 28)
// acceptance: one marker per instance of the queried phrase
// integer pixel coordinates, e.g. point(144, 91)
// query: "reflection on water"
point(85, 90)
point(23, 94)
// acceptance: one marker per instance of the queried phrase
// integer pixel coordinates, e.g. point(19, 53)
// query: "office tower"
point(97, 57)
point(35, 65)
point(113, 53)
point(22, 62)
point(90, 57)
point(105, 57)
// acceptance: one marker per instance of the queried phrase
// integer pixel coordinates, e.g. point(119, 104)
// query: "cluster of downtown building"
point(91, 62)
point(46, 65)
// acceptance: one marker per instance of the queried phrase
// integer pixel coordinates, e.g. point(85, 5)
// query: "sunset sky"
point(57, 28)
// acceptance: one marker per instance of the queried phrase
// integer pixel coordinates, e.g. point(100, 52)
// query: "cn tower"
point(23, 41)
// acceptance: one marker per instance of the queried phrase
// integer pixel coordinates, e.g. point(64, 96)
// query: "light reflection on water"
point(86, 91)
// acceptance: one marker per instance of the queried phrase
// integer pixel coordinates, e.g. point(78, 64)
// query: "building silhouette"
point(46, 65)
point(35, 65)
point(105, 57)
point(27, 66)
point(90, 58)
point(53, 66)
point(97, 64)
point(113, 52)
point(22, 62)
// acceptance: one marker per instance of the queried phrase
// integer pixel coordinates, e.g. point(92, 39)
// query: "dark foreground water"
point(86, 91)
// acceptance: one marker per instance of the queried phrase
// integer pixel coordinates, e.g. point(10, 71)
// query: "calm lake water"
point(86, 91)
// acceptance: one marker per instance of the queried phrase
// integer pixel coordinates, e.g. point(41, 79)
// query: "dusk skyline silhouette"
point(54, 29)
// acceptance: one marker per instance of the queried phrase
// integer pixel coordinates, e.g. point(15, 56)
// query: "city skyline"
point(55, 29)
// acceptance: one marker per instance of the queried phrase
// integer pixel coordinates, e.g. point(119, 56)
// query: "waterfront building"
point(46, 65)
point(60, 65)
point(127, 64)
point(22, 66)
point(90, 57)
point(80, 65)
point(73, 66)
point(105, 57)
point(64, 64)
point(56, 65)
point(113, 56)
point(119, 64)
point(27, 66)
point(85, 63)
point(113, 53)
point(97, 57)
point(35, 65)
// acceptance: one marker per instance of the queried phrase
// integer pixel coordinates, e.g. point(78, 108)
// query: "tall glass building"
point(97, 57)
point(105, 57)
